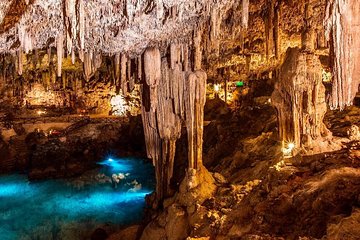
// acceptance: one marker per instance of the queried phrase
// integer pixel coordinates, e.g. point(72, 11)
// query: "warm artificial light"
point(119, 105)
point(216, 88)
point(40, 112)
point(288, 149)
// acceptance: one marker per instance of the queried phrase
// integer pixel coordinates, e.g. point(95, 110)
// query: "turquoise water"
point(71, 209)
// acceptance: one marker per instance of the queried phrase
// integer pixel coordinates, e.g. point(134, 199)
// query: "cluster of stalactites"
point(342, 30)
point(84, 31)
point(172, 94)
point(299, 98)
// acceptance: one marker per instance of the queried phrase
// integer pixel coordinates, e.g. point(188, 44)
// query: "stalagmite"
point(299, 98)
point(343, 31)
point(59, 49)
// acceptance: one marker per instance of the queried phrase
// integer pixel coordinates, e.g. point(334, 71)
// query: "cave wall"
point(38, 86)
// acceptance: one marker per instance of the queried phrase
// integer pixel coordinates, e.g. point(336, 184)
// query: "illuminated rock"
point(343, 30)
point(299, 98)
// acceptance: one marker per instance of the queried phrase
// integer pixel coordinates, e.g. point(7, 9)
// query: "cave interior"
point(222, 119)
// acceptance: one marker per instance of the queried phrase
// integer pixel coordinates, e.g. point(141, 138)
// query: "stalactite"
point(299, 98)
point(117, 68)
point(180, 96)
point(216, 19)
point(81, 13)
point(88, 65)
point(308, 35)
point(28, 44)
point(49, 55)
point(342, 29)
point(59, 49)
point(195, 97)
point(73, 57)
point(139, 68)
point(92, 61)
point(123, 78)
point(198, 50)
point(269, 29)
point(130, 76)
point(152, 69)
point(185, 57)
point(169, 124)
point(276, 30)
point(20, 62)
point(130, 9)
point(159, 9)
point(174, 55)
point(245, 14)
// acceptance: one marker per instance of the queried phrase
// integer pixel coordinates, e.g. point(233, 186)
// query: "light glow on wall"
point(119, 105)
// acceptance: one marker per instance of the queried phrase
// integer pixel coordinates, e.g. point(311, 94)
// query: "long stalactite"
point(172, 96)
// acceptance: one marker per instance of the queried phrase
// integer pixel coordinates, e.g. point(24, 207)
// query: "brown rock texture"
point(343, 30)
point(299, 98)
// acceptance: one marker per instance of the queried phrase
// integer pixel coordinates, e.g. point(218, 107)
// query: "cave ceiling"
point(130, 26)
point(101, 25)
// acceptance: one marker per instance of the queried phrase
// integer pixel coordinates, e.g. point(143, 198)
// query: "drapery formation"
point(342, 25)
point(299, 98)
point(172, 96)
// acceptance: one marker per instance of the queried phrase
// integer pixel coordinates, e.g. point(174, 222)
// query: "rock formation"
point(172, 96)
point(163, 59)
point(299, 98)
point(342, 25)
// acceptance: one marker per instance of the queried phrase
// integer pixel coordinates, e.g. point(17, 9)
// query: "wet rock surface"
point(71, 151)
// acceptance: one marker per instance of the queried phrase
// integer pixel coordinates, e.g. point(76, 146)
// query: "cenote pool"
point(72, 209)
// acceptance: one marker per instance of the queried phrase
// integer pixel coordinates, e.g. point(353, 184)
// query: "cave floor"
point(262, 195)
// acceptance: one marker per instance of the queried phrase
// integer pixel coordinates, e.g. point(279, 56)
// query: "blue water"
point(71, 209)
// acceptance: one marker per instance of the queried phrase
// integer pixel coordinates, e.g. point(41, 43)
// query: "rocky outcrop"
point(347, 228)
point(55, 151)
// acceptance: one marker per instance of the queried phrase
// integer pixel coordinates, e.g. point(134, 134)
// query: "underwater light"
point(110, 160)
